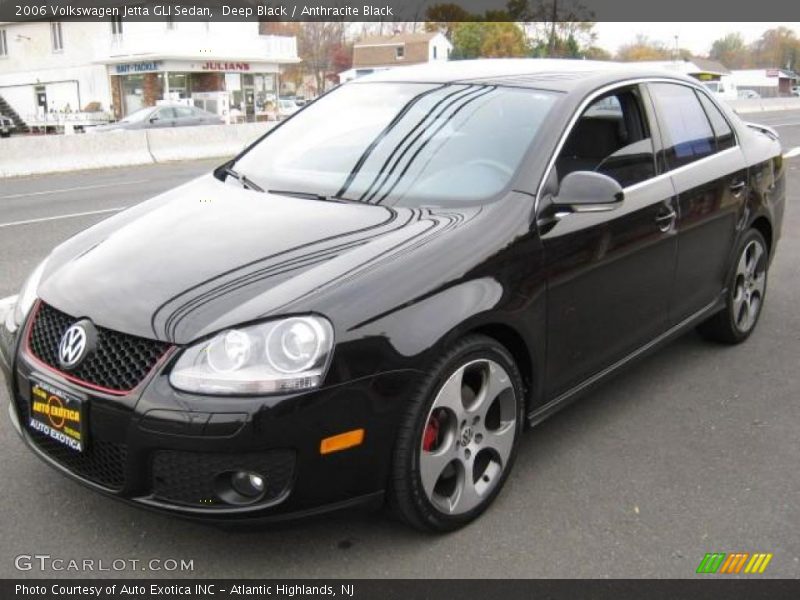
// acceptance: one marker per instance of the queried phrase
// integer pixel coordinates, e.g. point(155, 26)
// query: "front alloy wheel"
point(460, 436)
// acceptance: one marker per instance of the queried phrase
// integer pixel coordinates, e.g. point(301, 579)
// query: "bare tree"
point(317, 44)
point(554, 25)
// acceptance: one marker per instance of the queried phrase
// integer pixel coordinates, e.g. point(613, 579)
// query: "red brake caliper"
point(431, 434)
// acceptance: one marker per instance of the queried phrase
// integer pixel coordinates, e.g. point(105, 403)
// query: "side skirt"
point(550, 408)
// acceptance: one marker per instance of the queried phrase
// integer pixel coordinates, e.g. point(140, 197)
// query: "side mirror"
point(587, 191)
point(154, 119)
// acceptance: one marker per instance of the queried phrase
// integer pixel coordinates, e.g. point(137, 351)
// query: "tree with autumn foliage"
point(444, 18)
point(643, 48)
point(731, 51)
point(482, 39)
point(779, 48)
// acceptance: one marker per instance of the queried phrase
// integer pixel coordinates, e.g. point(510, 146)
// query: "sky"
point(697, 37)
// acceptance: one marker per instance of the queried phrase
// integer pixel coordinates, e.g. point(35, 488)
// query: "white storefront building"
point(56, 68)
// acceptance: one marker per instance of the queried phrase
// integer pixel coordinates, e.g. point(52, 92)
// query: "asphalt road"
point(694, 450)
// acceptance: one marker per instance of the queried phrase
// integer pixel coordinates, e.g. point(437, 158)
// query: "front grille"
point(189, 477)
point(102, 462)
point(119, 363)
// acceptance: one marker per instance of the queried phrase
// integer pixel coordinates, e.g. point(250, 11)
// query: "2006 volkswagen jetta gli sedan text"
point(377, 297)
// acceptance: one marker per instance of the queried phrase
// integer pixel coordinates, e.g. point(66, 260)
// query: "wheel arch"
point(514, 340)
point(764, 227)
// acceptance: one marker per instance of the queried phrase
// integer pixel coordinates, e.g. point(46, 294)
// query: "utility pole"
point(552, 50)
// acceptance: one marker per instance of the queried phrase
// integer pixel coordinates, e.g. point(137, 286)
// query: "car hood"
point(210, 255)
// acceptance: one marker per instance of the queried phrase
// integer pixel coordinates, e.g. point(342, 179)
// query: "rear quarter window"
point(722, 131)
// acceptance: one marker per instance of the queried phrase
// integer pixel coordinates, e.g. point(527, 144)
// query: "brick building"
point(376, 53)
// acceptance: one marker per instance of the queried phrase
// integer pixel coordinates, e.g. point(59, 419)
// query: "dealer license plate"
point(58, 414)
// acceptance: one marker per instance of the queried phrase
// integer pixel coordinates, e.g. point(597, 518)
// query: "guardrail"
point(749, 105)
point(35, 155)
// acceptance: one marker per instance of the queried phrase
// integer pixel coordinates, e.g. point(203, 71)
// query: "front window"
point(410, 144)
point(611, 137)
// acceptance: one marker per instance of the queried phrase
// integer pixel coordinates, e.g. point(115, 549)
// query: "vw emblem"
point(73, 346)
point(466, 436)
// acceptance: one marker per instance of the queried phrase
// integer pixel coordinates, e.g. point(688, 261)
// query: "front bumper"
point(166, 450)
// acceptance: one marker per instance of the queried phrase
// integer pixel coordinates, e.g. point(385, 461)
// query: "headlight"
point(27, 296)
point(287, 355)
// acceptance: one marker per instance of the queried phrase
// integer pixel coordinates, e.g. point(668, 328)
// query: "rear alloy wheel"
point(460, 438)
point(746, 291)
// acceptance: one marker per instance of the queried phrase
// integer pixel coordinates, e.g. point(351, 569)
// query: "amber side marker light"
point(342, 441)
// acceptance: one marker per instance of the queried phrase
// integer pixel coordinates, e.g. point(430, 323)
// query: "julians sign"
point(225, 66)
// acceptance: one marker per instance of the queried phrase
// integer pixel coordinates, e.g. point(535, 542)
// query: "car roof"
point(562, 75)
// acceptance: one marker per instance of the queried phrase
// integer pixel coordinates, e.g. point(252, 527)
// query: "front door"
point(609, 273)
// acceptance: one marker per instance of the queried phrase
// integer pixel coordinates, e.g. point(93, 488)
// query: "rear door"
point(708, 171)
point(609, 273)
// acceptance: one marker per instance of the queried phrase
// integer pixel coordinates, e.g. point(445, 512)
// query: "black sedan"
point(375, 299)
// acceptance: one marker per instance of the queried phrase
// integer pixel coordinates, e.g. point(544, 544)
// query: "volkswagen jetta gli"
point(377, 297)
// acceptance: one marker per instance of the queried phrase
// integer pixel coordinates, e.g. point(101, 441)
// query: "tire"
point(747, 289)
point(465, 420)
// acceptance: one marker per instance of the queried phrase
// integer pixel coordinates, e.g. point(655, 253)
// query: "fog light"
point(248, 484)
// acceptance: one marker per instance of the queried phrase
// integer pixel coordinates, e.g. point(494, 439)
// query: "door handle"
point(736, 188)
point(666, 220)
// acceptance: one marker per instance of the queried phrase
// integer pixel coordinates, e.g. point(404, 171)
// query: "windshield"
point(409, 144)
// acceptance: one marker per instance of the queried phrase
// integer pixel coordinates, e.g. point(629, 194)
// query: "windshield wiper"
point(309, 196)
point(246, 182)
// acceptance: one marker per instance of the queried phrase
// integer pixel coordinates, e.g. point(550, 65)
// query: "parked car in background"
point(796, 91)
point(6, 126)
point(286, 108)
point(159, 117)
point(749, 95)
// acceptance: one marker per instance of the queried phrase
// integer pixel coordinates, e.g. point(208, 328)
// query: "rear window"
point(687, 131)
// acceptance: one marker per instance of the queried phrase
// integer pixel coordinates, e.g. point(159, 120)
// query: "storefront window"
point(178, 86)
point(132, 93)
